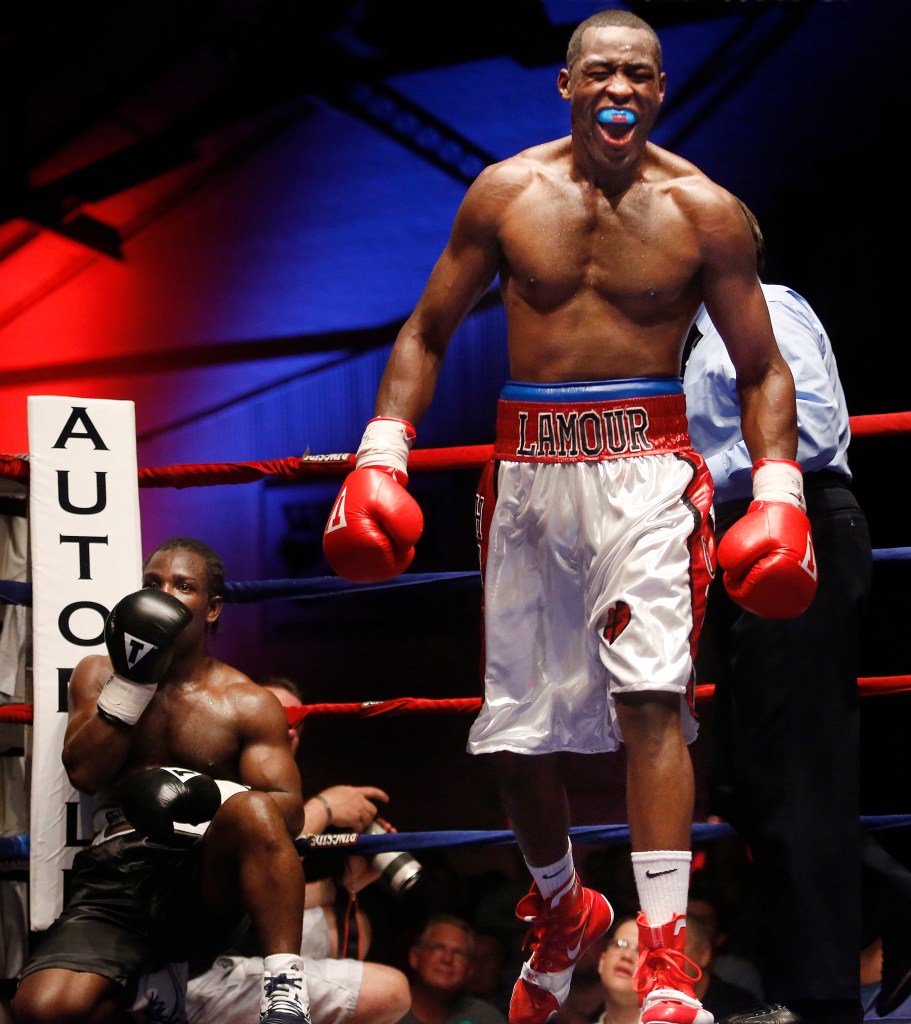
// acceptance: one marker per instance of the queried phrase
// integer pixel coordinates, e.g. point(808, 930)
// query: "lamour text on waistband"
point(583, 431)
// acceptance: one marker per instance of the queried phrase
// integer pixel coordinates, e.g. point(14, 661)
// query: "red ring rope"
point(428, 459)
point(867, 686)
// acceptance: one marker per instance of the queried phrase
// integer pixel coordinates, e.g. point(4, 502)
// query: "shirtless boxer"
point(136, 902)
point(343, 989)
point(593, 516)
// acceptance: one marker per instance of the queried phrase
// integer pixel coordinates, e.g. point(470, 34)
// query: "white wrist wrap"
point(124, 700)
point(779, 480)
point(386, 442)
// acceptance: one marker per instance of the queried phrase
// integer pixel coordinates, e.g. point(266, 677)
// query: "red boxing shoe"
point(665, 989)
point(560, 930)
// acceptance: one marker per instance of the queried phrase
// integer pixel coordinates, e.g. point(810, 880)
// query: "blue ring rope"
point(16, 848)
point(251, 591)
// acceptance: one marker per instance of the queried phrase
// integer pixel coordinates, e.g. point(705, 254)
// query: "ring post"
point(86, 554)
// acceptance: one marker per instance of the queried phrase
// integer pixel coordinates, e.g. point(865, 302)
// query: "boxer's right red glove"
point(375, 523)
point(767, 556)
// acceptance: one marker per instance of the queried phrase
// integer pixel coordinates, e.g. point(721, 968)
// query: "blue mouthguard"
point(614, 115)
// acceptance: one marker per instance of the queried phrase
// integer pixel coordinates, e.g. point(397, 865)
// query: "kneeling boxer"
point(151, 889)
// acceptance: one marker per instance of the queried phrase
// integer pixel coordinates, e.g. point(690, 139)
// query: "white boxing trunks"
point(594, 524)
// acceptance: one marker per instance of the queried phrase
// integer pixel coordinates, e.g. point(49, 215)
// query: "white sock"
point(557, 877)
point(278, 962)
point(288, 992)
point(663, 882)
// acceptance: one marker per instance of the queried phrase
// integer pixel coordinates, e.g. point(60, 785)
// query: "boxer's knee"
point(65, 997)
point(251, 816)
point(649, 720)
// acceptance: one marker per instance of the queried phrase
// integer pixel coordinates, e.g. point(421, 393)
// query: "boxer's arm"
point(767, 556)
point(345, 807)
point(735, 302)
point(465, 269)
point(94, 748)
point(266, 762)
point(139, 632)
point(374, 524)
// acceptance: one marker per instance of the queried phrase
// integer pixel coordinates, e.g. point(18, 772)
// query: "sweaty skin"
point(205, 715)
point(208, 717)
point(605, 245)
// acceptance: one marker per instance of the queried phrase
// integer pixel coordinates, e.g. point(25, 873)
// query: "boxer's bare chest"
point(566, 244)
point(193, 726)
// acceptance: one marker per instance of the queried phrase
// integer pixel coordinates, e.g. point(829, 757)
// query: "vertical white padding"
point(86, 551)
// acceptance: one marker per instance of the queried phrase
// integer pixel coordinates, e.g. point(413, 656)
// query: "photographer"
point(330, 904)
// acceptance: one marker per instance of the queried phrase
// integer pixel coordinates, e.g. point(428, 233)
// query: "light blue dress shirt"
point(713, 409)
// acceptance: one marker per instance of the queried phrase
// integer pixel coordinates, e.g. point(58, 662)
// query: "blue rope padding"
point(12, 592)
point(250, 591)
point(609, 835)
point(318, 586)
point(16, 848)
point(891, 554)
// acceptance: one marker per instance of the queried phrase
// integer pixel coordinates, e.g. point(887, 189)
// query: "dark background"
point(223, 211)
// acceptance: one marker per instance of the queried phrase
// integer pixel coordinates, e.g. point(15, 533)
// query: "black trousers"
point(784, 760)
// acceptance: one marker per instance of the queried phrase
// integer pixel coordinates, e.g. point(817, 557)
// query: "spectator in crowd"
point(440, 962)
point(616, 966)
point(352, 808)
point(493, 976)
point(871, 977)
point(720, 997)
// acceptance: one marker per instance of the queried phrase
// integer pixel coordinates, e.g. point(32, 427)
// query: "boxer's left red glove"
point(767, 556)
point(375, 523)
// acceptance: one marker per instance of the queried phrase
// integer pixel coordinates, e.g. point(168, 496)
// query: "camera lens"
point(398, 870)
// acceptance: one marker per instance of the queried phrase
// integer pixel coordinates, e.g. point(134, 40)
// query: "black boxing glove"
point(154, 800)
point(140, 633)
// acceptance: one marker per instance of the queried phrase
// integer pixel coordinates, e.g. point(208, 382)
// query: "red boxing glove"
point(767, 556)
point(375, 523)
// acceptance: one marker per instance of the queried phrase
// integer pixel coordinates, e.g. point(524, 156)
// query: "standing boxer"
point(150, 728)
point(594, 514)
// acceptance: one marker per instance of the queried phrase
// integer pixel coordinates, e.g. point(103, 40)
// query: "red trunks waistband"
point(591, 431)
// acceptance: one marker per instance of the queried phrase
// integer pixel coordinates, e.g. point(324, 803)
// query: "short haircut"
point(284, 683)
point(451, 919)
point(215, 568)
point(611, 19)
